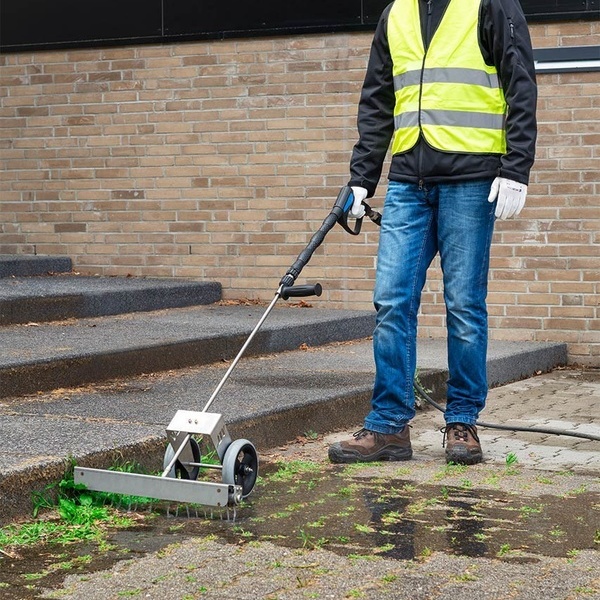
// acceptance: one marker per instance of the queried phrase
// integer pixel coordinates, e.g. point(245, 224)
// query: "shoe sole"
point(463, 458)
point(339, 455)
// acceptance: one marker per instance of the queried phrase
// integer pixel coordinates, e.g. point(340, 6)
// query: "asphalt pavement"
point(524, 524)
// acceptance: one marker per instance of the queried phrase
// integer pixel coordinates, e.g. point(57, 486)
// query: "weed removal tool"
point(238, 459)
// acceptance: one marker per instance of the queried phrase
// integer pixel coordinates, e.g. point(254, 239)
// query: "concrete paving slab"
point(206, 568)
point(525, 404)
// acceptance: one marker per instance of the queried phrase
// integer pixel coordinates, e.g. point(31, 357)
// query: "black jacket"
point(505, 43)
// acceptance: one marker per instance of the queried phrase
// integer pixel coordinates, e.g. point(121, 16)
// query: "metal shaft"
point(179, 450)
point(241, 352)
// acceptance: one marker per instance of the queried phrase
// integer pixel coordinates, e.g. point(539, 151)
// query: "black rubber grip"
point(298, 291)
point(307, 253)
point(338, 214)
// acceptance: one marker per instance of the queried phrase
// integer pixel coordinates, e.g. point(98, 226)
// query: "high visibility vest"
point(448, 92)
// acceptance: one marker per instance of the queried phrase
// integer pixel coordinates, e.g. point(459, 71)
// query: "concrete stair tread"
point(50, 298)
point(49, 355)
point(261, 385)
point(12, 265)
point(86, 337)
point(69, 283)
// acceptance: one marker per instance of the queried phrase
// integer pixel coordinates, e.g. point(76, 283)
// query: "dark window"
point(44, 24)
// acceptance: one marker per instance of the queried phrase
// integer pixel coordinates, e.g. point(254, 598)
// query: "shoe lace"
point(460, 431)
point(361, 433)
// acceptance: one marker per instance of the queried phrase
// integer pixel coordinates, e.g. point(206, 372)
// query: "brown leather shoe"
point(369, 446)
point(462, 444)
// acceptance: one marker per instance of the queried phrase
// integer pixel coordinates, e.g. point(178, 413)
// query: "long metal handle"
point(241, 352)
point(339, 214)
point(179, 450)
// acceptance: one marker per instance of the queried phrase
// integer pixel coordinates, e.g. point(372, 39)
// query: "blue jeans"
point(456, 220)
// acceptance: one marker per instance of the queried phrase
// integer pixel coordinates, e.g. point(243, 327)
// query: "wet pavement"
point(524, 524)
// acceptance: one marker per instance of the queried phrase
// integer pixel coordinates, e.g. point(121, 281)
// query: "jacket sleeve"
point(505, 43)
point(375, 113)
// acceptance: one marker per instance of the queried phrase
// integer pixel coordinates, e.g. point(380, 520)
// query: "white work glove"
point(511, 197)
point(358, 210)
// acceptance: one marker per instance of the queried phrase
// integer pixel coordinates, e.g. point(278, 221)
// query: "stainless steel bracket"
point(198, 423)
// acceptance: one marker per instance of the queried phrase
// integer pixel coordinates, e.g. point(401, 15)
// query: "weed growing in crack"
point(290, 471)
point(74, 515)
point(511, 464)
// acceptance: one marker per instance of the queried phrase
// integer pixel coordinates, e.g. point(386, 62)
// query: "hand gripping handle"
point(338, 214)
point(344, 201)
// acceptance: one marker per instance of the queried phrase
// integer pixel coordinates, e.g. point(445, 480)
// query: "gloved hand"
point(511, 197)
point(358, 210)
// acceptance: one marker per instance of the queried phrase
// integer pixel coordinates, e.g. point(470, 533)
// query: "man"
point(451, 84)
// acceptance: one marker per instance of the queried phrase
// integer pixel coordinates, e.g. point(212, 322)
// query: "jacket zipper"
point(427, 42)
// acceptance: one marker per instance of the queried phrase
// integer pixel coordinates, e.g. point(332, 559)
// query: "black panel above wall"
point(556, 10)
point(182, 17)
point(47, 24)
point(77, 22)
point(372, 9)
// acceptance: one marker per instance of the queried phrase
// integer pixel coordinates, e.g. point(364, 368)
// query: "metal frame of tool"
point(168, 486)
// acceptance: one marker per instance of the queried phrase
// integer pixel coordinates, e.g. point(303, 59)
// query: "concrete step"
point(70, 296)
point(24, 265)
point(45, 356)
point(102, 388)
point(269, 400)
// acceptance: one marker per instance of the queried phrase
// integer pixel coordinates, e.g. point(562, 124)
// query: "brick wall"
point(219, 159)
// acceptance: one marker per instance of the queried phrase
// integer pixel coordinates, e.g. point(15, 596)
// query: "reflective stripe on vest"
point(449, 94)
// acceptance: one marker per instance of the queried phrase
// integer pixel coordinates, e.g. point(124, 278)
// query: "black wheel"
point(181, 470)
point(240, 465)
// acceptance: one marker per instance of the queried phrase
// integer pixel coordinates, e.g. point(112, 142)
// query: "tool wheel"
point(180, 470)
point(240, 465)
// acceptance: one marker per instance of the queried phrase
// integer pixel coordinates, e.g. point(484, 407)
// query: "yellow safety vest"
point(448, 92)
